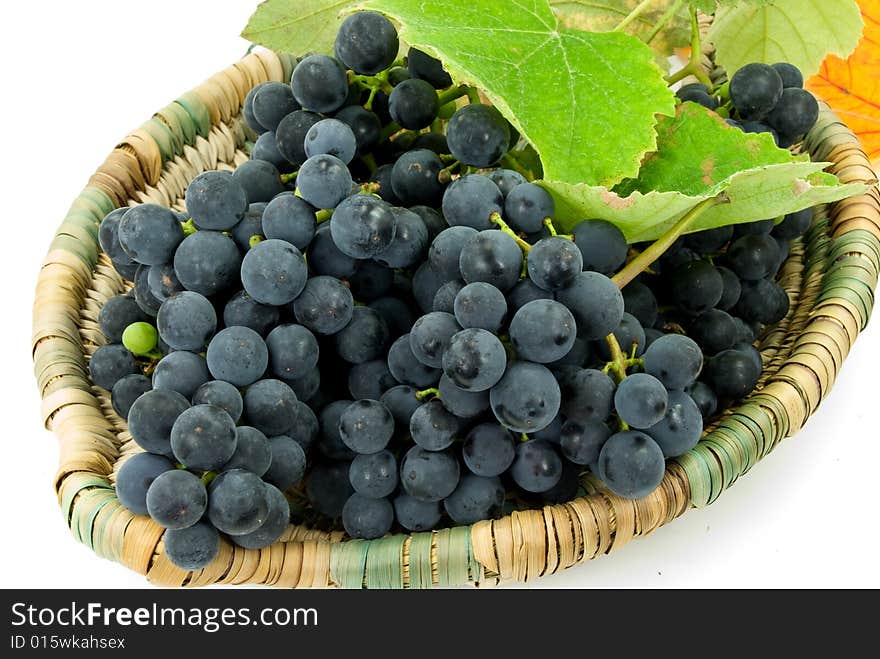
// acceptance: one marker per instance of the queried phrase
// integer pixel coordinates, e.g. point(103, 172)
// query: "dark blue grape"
point(151, 418)
point(176, 499)
point(237, 502)
point(537, 466)
point(409, 243)
point(192, 548)
point(429, 475)
point(203, 437)
point(631, 464)
point(430, 336)
point(325, 305)
point(527, 206)
point(328, 488)
point(444, 300)
point(324, 181)
point(291, 134)
point(640, 400)
point(424, 67)
point(474, 359)
point(266, 148)
point(445, 251)
point(186, 321)
point(406, 368)
point(364, 338)
point(119, 312)
point(506, 180)
point(493, 257)
point(181, 371)
point(242, 309)
point(581, 442)
point(325, 258)
point(288, 464)
point(271, 103)
point(370, 379)
point(222, 394)
point(274, 272)
point(367, 518)
point(416, 515)
point(207, 262)
point(523, 292)
point(413, 104)
point(366, 43)
point(293, 351)
point(134, 478)
point(365, 126)
point(374, 475)
point(476, 498)
point(216, 200)
point(596, 303)
point(433, 427)
point(553, 263)
point(602, 245)
point(755, 89)
point(461, 403)
point(480, 305)
point(478, 135)
point(149, 234)
point(331, 137)
point(127, 390)
point(287, 217)
point(366, 426)
point(319, 84)
point(237, 355)
point(270, 406)
point(471, 201)
point(543, 331)
point(110, 363)
point(488, 450)
point(587, 395)
point(630, 336)
point(415, 177)
point(680, 428)
point(527, 397)
point(271, 530)
point(260, 180)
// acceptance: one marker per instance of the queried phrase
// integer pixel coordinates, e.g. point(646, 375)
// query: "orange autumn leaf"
point(852, 86)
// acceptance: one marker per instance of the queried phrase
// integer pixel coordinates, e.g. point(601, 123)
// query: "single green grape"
point(140, 338)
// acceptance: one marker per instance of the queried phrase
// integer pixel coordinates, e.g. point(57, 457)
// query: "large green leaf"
point(751, 195)
point(586, 101)
point(798, 31)
point(297, 26)
point(696, 150)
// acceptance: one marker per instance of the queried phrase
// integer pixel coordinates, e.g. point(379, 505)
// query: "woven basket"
point(830, 278)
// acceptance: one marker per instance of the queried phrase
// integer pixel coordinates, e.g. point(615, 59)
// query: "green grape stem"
point(255, 240)
point(287, 178)
point(633, 15)
point(452, 94)
point(207, 477)
point(523, 437)
point(323, 216)
point(548, 222)
point(664, 19)
point(390, 130)
point(639, 264)
point(620, 363)
point(495, 218)
point(425, 393)
point(189, 227)
point(694, 66)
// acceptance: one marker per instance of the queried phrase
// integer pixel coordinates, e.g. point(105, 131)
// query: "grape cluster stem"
point(694, 66)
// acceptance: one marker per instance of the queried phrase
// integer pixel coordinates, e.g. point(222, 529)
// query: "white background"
point(77, 76)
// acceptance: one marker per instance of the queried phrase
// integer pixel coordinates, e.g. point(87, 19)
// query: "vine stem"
point(511, 162)
point(695, 65)
point(664, 19)
point(391, 129)
point(287, 178)
point(548, 222)
point(452, 94)
point(633, 15)
point(617, 365)
point(323, 216)
point(656, 250)
point(424, 393)
point(495, 218)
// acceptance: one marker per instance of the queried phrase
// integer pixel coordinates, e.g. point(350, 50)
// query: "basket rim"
point(202, 127)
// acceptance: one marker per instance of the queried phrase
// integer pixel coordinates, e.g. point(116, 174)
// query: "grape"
point(478, 135)
point(237, 502)
point(461, 403)
point(429, 475)
point(366, 43)
point(119, 312)
point(266, 148)
point(306, 386)
point(291, 134)
point(325, 258)
point(553, 263)
point(134, 478)
point(366, 426)
point(272, 102)
point(192, 548)
point(237, 355)
point(176, 499)
point(527, 206)
point(476, 498)
point(409, 243)
point(207, 262)
point(306, 428)
point(186, 321)
point(732, 288)
point(270, 406)
point(140, 338)
point(370, 379)
point(402, 402)
point(755, 89)
point(273, 272)
point(142, 295)
point(471, 201)
point(640, 302)
point(488, 450)
point(126, 391)
point(794, 224)
point(406, 368)
point(445, 251)
point(203, 437)
point(330, 441)
point(110, 363)
point(435, 142)
point(578, 355)
point(732, 374)
point(364, 125)
point(794, 114)
point(382, 178)
point(242, 309)
point(374, 475)
point(325, 306)
point(396, 313)
point(248, 109)
point(680, 428)
point(367, 518)
point(543, 331)
point(790, 74)
point(444, 300)
point(697, 93)
point(364, 338)
point(331, 137)
point(704, 397)
point(434, 222)
point(151, 418)
point(709, 241)
point(413, 104)
point(714, 331)
point(480, 305)
point(629, 334)
point(324, 181)
point(259, 179)
point(271, 530)
point(640, 400)
point(328, 488)
point(222, 394)
point(675, 360)
point(372, 280)
point(506, 180)
point(537, 466)
point(149, 234)
point(424, 67)
point(108, 236)
point(293, 351)
point(587, 395)
point(523, 292)
point(432, 427)
point(162, 282)
point(581, 442)
point(753, 257)
point(526, 398)
point(757, 128)
point(181, 371)
point(415, 177)
point(250, 229)
point(596, 303)
point(493, 257)
point(363, 226)
point(319, 84)
point(696, 286)
point(288, 464)
point(603, 246)
point(430, 337)
point(631, 464)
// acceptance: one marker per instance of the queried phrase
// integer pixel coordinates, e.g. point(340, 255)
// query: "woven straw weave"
point(830, 278)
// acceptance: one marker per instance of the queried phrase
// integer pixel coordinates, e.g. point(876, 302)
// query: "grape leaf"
point(801, 32)
point(586, 101)
point(750, 195)
point(696, 150)
point(852, 86)
point(605, 15)
point(297, 26)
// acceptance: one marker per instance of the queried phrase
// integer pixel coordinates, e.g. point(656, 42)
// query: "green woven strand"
point(92, 502)
point(454, 556)
point(162, 136)
point(197, 111)
point(699, 478)
point(347, 563)
point(420, 560)
point(82, 483)
point(385, 562)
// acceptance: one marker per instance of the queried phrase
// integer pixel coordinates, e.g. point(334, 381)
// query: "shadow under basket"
point(830, 278)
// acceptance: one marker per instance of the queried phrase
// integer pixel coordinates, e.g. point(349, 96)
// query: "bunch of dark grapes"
point(371, 322)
